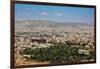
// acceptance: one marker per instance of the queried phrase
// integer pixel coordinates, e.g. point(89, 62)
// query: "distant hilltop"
point(47, 24)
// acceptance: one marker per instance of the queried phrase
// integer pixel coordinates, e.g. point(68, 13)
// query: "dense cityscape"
point(45, 34)
point(28, 42)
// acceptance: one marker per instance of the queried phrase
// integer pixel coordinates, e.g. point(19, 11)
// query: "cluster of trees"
point(57, 54)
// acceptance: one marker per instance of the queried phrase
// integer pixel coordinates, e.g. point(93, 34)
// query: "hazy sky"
point(54, 13)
